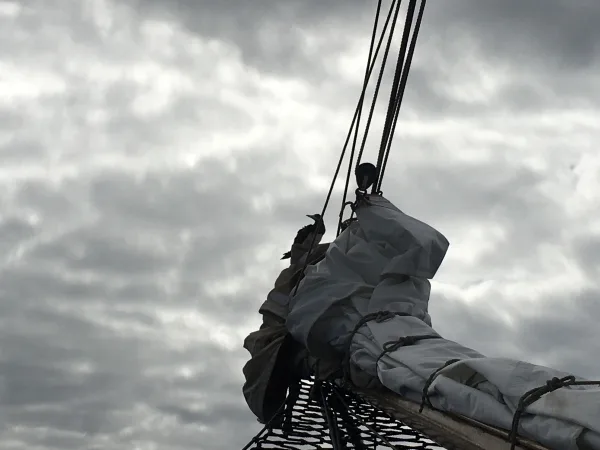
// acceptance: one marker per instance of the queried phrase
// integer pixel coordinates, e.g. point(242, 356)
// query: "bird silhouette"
point(305, 235)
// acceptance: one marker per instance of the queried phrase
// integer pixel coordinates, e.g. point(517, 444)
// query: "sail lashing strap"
point(379, 317)
point(425, 396)
point(535, 394)
point(392, 346)
point(526, 400)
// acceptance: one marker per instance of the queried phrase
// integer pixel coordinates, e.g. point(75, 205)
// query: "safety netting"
point(324, 415)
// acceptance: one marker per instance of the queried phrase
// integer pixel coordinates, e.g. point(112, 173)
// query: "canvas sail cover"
point(382, 263)
point(276, 359)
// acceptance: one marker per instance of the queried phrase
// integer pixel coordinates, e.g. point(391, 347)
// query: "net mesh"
point(325, 416)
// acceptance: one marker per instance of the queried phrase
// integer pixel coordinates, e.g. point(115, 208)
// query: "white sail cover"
point(382, 262)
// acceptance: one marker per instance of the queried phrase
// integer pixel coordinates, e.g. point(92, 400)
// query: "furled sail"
point(366, 305)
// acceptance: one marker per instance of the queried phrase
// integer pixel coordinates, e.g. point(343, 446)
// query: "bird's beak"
point(314, 217)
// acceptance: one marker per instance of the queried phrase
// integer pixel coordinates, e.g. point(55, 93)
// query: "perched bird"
point(306, 234)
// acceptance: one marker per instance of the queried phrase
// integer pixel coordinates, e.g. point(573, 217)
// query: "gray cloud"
point(587, 250)
point(95, 294)
point(156, 158)
point(543, 337)
point(547, 52)
point(269, 33)
point(563, 35)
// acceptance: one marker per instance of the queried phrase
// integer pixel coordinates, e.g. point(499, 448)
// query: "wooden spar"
point(452, 431)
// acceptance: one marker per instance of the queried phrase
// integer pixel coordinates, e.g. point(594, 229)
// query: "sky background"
point(158, 156)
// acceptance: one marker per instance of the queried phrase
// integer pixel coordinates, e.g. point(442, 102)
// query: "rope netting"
point(322, 415)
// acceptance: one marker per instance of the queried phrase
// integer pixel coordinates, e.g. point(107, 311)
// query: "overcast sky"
point(157, 157)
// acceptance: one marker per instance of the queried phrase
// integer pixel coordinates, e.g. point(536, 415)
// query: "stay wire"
point(403, 82)
point(368, 72)
point(335, 175)
point(394, 92)
point(381, 72)
point(395, 4)
point(360, 107)
point(356, 115)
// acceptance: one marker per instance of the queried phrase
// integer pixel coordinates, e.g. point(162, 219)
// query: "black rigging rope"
point(402, 88)
point(401, 73)
point(393, 102)
point(358, 424)
point(355, 129)
point(400, 77)
point(394, 9)
point(533, 395)
point(357, 113)
point(402, 70)
point(398, 87)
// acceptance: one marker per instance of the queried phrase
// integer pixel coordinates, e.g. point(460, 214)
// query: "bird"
point(306, 234)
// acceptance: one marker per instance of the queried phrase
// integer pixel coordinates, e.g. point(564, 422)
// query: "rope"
point(370, 62)
point(267, 427)
point(381, 71)
point(403, 82)
point(398, 88)
point(340, 398)
point(348, 421)
point(379, 316)
point(526, 400)
point(392, 346)
point(389, 117)
point(330, 418)
point(535, 394)
point(397, 94)
point(429, 382)
point(400, 77)
point(357, 113)
point(370, 67)
point(361, 424)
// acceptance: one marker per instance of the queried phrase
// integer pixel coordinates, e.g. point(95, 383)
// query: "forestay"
point(382, 263)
